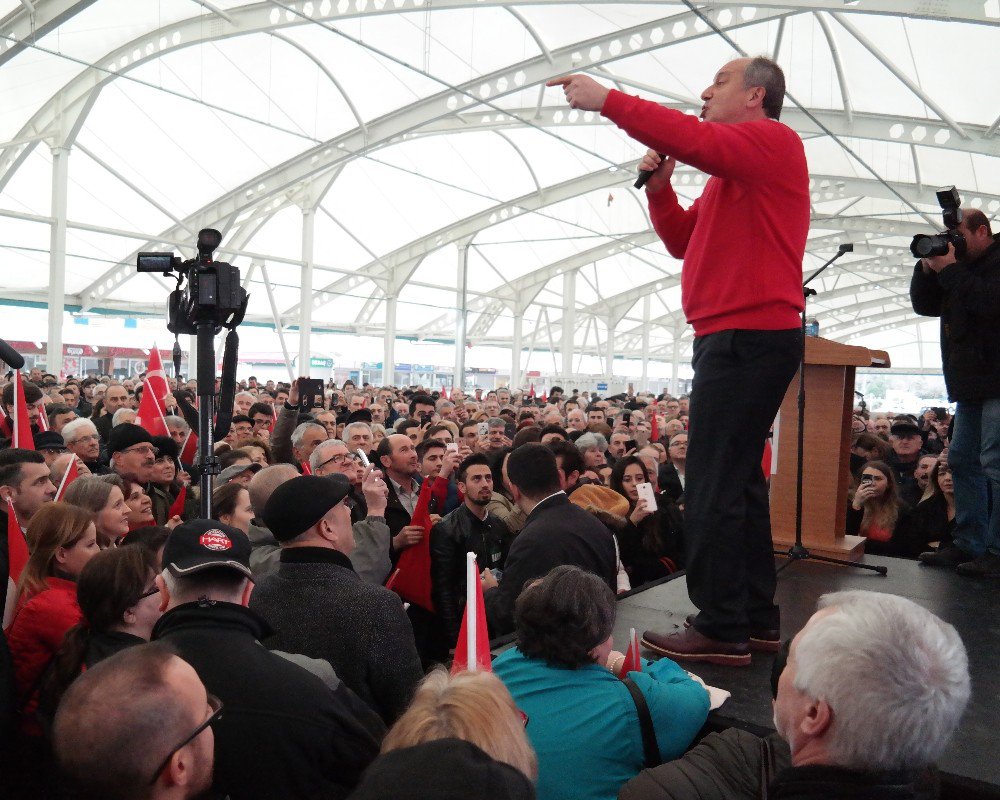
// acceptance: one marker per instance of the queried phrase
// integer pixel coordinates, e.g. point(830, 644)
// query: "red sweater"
point(744, 238)
point(35, 636)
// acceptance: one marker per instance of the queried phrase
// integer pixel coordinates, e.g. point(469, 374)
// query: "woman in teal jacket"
point(582, 720)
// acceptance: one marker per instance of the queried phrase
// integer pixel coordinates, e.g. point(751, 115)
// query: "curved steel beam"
point(864, 125)
point(30, 23)
point(398, 123)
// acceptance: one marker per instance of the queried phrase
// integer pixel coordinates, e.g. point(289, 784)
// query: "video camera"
point(213, 293)
point(927, 245)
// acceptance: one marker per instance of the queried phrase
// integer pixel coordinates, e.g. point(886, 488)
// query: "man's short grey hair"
point(300, 432)
point(895, 676)
point(222, 585)
point(444, 404)
point(245, 394)
point(354, 426)
point(119, 416)
point(319, 455)
point(762, 71)
point(496, 422)
point(78, 427)
point(173, 421)
point(591, 440)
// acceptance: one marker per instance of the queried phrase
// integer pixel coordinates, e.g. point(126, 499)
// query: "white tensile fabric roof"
point(406, 135)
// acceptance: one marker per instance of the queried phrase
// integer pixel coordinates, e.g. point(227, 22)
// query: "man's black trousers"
point(740, 378)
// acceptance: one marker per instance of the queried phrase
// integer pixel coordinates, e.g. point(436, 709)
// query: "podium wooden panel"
point(830, 368)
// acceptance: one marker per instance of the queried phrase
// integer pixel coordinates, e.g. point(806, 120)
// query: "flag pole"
point(471, 578)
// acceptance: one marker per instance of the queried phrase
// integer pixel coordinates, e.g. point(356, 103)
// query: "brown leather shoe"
point(689, 645)
point(762, 640)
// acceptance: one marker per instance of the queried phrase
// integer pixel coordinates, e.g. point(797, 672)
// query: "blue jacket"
point(584, 726)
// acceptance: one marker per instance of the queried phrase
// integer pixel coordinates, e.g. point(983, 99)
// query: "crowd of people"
point(566, 501)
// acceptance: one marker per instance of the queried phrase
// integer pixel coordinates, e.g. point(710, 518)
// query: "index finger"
point(560, 81)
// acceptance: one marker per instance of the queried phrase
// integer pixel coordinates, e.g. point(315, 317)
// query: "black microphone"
point(644, 175)
point(10, 356)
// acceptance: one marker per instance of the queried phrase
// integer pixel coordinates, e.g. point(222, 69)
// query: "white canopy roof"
point(393, 138)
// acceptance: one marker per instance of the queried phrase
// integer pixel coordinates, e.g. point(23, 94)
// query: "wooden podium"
point(830, 368)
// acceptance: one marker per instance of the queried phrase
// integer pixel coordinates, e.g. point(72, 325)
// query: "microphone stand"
point(798, 552)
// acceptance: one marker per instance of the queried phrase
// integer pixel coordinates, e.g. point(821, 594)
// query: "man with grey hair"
point(242, 402)
point(753, 215)
point(123, 415)
point(369, 495)
point(358, 436)
point(83, 440)
point(496, 437)
point(873, 690)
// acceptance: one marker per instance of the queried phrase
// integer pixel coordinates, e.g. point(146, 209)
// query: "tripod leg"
point(844, 563)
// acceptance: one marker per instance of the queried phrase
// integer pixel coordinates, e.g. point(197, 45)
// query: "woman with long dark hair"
point(877, 513)
point(651, 546)
point(120, 603)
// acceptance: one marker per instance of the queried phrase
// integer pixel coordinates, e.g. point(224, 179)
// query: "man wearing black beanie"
point(319, 605)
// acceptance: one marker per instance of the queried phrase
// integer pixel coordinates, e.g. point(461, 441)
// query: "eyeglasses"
point(149, 593)
point(90, 437)
point(215, 704)
point(146, 449)
point(341, 458)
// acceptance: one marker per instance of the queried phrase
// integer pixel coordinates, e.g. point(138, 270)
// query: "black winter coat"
point(319, 607)
point(555, 533)
point(966, 296)
point(461, 532)
point(284, 733)
point(731, 765)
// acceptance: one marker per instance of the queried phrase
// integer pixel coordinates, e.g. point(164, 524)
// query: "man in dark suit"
point(556, 532)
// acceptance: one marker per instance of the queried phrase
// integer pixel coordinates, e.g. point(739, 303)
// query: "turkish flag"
point(70, 475)
point(472, 651)
point(177, 507)
point(414, 580)
point(189, 450)
point(22, 425)
point(632, 662)
point(156, 379)
point(17, 557)
point(43, 417)
point(150, 414)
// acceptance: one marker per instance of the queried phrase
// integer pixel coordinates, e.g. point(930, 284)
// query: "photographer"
point(963, 289)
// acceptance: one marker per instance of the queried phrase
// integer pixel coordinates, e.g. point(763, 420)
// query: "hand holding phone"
point(646, 493)
point(310, 393)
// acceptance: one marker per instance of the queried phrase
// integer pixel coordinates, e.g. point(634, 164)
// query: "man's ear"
point(164, 593)
point(817, 719)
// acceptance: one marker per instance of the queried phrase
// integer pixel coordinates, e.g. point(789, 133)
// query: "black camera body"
point(928, 245)
point(213, 292)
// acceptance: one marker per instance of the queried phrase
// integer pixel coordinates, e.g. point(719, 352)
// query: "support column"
point(515, 355)
point(463, 314)
point(305, 297)
point(568, 324)
point(609, 355)
point(644, 383)
point(389, 345)
point(57, 261)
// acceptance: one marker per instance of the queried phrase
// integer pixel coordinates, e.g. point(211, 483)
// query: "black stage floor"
point(970, 767)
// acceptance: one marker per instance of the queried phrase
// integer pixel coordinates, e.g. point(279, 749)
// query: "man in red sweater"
point(742, 242)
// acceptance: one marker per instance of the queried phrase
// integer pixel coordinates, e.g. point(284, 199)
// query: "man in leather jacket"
point(965, 293)
point(469, 528)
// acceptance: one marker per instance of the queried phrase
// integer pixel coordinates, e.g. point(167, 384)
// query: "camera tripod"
point(798, 551)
